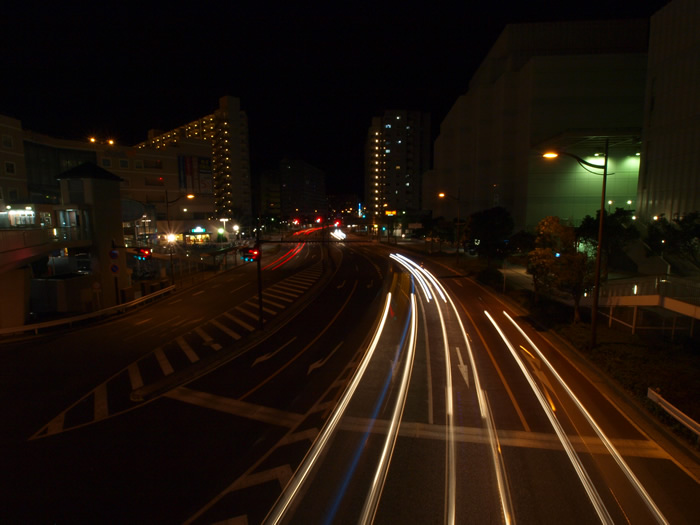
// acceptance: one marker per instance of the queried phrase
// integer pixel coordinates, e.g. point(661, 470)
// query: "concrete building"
point(397, 154)
point(562, 84)
point(228, 178)
point(13, 181)
point(58, 225)
point(302, 191)
point(669, 178)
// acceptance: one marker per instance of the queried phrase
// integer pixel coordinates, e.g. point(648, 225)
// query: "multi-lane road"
point(381, 388)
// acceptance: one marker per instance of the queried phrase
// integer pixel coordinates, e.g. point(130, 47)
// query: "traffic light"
point(143, 254)
point(250, 254)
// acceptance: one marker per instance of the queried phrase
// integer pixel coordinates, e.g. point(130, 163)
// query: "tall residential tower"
point(229, 177)
point(397, 154)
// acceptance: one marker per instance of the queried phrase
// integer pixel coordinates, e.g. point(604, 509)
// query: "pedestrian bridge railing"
point(69, 321)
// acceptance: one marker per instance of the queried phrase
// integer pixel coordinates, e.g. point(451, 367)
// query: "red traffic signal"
point(250, 254)
point(143, 254)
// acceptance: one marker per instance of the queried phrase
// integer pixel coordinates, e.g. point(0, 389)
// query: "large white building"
point(669, 177)
point(228, 177)
point(560, 84)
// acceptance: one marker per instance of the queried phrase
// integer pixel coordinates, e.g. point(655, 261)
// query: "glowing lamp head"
point(171, 237)
point(441, 195)
point(551, 155)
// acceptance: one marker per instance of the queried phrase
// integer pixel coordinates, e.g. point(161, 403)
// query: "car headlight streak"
point(285, 500)
point(487, 418)
point(656, 512)
point(588, 485)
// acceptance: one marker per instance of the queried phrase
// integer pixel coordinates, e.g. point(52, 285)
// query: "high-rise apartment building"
point(397, 154)
point(226, 129)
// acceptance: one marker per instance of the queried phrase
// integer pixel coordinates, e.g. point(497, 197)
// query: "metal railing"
point(112, 310)
point(679, 416)
point(687, 290)
point(19, 238)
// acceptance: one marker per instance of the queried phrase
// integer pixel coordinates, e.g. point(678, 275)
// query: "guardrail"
point(679, 416)
point(112, 310)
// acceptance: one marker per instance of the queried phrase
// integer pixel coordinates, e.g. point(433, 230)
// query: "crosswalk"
point(127, 389)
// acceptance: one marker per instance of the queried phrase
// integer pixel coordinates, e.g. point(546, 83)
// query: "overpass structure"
point(656, 302)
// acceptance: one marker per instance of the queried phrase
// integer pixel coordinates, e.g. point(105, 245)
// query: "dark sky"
point(310, 76)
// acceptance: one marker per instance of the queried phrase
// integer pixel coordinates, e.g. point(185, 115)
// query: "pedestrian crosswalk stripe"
point(240, 321)
point(187, 349)
point(286, 299)
point(165, 365)
point(272, 303)
point(207, 338)
point(225, 329)
point(295, 287)
point(101, 408)
point(135, 376)
point(245, 311)
point(283, 292)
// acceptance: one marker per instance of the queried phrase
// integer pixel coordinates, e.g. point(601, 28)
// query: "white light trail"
point(593, 495)
point(285, 500)
point(656, 512)
point(487, 418)
point(424, 286)
point(422, 271)
point(372, 501)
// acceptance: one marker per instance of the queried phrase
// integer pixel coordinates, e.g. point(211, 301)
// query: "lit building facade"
point(226, 131)
point(669, 178)
point(561, 84)
point(397, 153)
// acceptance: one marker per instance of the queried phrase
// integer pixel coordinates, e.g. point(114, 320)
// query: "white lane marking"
point(198, 293)
point(321, 362)
point(240, 321)
point(187, 349)
point(165, 365)
point(101, 408)
point(207, 338)
point(135, 376)
point(236, 407)
point(143, 321)
point(225, 329)
point(272, 354)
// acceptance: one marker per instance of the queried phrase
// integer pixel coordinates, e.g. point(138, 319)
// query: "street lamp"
point(596, 284)
point(443, 195)
point(171, 236)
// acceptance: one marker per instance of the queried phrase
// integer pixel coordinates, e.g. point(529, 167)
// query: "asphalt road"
point(363, 398)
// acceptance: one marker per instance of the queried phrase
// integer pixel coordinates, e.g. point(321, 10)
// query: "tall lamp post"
point(596, 285)
point(443, 195)
point(171, 236)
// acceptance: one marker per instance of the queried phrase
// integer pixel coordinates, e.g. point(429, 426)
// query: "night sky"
point(310, 76)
